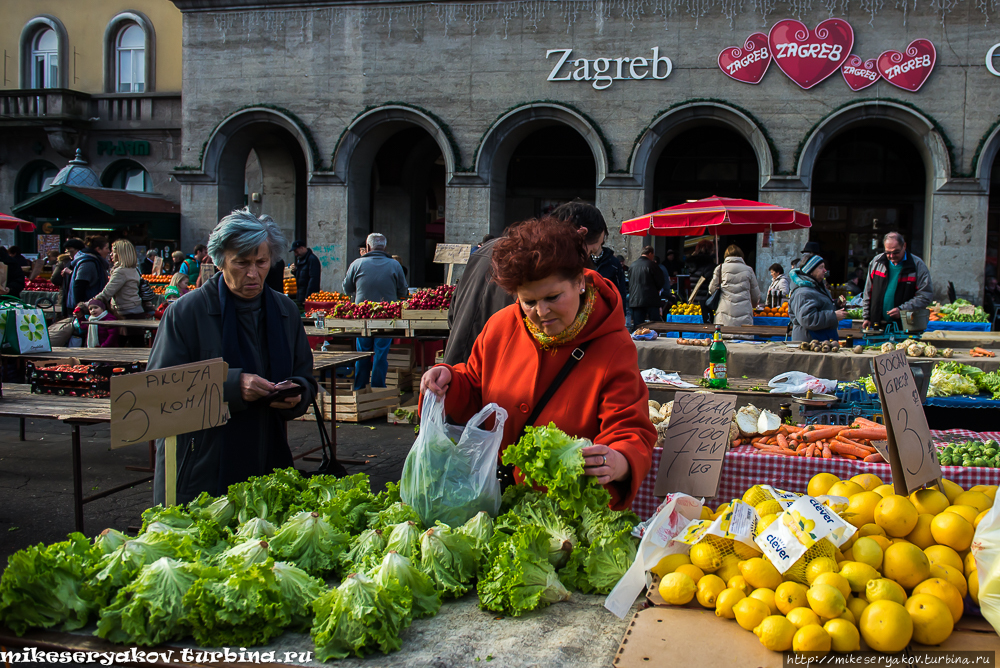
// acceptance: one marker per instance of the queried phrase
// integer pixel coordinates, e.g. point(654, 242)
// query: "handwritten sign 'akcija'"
point(167, 402)
point(912, 454)
point(695, 444)
point(908, 71)
point(747, 64)
point(807, 58)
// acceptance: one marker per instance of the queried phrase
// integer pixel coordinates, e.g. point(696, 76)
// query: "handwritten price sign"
point(912, 454)
point(696, 443)
point(167, 402)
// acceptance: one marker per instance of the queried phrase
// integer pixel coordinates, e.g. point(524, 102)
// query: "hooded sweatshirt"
point(603, 399)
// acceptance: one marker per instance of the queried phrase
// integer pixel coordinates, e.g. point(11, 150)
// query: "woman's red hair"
point(536, 249)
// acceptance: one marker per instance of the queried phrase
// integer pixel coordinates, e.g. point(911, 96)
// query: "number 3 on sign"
point(140, 421)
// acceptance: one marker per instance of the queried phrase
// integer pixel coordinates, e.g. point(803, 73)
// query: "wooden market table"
point(747, 391)
point(768, 331)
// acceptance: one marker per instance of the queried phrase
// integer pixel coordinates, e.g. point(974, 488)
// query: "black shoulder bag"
point(505, 472)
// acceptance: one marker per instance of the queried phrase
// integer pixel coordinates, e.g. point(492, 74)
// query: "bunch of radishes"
point(432, 298)
point(367, 310)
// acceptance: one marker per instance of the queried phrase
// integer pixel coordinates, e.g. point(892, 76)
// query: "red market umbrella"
point(8, 222)
point(718, 216)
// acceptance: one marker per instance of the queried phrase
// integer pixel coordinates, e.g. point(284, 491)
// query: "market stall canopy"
point(716, 215)
point(73, 205)
point(8, 222)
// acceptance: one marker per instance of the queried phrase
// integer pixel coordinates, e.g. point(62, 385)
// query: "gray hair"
point(900, 239)
point(376, 241)
point(151, 253)
point(243, 232)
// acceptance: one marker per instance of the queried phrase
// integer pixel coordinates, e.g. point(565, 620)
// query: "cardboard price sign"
point(167, 402)
point(912, 454)
point(452, 253)
point(157, 265)
point(696, 443)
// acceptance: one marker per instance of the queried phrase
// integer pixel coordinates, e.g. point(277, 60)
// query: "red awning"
point(716, 215)
point(8, 222)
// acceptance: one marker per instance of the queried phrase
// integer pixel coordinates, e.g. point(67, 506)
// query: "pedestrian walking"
point(644, 283)
point(740, 291)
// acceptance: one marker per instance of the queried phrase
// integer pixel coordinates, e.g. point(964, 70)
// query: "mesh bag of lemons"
point(903, 574)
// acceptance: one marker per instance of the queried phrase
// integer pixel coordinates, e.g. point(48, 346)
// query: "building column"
point(467, 217)
point(199, 210)
point(785, 246)
point(619, 205)
point(326, 229)
point(955, 246)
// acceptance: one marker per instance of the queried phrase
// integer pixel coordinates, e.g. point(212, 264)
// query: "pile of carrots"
point(823, 441)
point(982, 352)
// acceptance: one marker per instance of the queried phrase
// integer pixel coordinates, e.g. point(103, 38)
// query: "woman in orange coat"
point(559, 306)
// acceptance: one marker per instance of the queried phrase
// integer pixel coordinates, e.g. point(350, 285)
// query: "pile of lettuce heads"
point(240, 569)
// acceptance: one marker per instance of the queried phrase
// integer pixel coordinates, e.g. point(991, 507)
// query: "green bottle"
point(717, 360)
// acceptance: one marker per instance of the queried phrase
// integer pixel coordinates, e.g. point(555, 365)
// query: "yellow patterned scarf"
point(552, 342)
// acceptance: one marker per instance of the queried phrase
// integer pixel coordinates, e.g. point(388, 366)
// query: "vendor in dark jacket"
point(307, 271)
point(897, 281)
point(258, 332)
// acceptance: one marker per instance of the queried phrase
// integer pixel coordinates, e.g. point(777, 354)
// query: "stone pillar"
point(326, 230)
point(785, 246)
point(199, 212)
point(619, 205)
point(955, 246)
point(467, 217)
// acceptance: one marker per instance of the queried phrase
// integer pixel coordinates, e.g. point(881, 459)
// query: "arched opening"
point(866, 181)
point(993, 222)
point(127, 175)
point(33, 179)
point(701, 162)
point(551, 166)
point(262, 165)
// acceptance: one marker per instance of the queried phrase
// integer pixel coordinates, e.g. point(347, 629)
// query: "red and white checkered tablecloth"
point(744, 468)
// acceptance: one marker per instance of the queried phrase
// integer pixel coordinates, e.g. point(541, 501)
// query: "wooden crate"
point(425, 314)
point(410, 417)
point(401, 357)
point(365, 404)
point(400, 379)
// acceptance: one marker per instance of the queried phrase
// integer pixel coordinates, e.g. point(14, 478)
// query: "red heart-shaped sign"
point(908, 71)
point(810, 57)
point(860, 73)
point(749, 63)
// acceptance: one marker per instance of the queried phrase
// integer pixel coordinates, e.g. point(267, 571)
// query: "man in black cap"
point(307, 271)
point(811, 248)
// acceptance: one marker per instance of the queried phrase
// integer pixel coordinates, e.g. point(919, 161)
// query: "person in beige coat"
point(740, 291)
point(122, 289)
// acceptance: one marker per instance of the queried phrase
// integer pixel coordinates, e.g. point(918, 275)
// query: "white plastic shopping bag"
point(796, 382)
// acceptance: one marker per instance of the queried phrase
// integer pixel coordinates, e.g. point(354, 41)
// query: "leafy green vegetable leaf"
point(520, 577)
point(150, 610)
point(449, 558)
point(394, 566)
point(310, 543)
point(359, 616)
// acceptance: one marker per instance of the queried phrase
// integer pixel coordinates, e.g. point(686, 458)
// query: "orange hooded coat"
point(603, 399)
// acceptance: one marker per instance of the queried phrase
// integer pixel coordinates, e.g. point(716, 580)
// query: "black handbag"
point(505, 472)
point(713, 299)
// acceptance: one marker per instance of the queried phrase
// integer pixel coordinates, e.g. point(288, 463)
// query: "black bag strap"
point(505, 473)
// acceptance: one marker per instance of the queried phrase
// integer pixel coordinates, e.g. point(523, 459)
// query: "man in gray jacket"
point(897, 281)
point(374, 277)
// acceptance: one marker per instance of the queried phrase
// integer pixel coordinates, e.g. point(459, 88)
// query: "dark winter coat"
point(644, 282)
point(307, 273)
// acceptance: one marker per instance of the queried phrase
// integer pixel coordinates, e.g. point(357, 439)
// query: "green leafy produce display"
point(971, 453)
point(240, 569)
point(950, 312)
point(855, 313)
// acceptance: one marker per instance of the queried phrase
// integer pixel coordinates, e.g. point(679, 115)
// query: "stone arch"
point(895, 116)
point(28, 33)
point(987, 156)
point(509, 130)
point(687, 116)
point(114, 26)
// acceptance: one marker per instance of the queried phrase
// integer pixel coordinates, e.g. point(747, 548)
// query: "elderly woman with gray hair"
point(258, 332)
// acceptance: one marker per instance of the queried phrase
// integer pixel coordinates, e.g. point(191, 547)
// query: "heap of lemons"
point(685, 309)
point(902, 576)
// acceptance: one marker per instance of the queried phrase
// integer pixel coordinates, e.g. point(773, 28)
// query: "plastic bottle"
point(717, 361)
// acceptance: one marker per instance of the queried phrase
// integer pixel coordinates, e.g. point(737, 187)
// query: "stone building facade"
point(446, 121)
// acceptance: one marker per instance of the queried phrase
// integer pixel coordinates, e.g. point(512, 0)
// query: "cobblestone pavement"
point(36, 477)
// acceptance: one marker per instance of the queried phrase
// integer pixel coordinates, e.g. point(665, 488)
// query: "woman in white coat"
point(740, 291)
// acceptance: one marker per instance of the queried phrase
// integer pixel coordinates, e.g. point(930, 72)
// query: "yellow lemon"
point(790, 595)
point(844, 636)
point(765, 521)
point(725, 602)
point(820, 565)
point(740, 583)
point(812, 638)
point(775, 633)
point(952, 530)
point(884, 589)
point(979, 518)
point(826, 601)
point(669, 564)
point(968, 512)
point(706, 556)
point(730, 567)
point(950, 595)
point(896, 515)
point(858, 575)
point(691, 571)
point(886, 626)
point(709, 588)
point(869, 481)
point(821, 483)
point(861, 508)
point(885, 490)
point(969, 563)
point(848, 616)
point(856, 606)
point(953, 576)
point(677, 588)
point(768, 507)
point(906, 564)
point(871, 530)
point(750, 612)
point(744, 551)
point(755, 493)
point(921, 535)
point(988, 490)
point(951, 489)
point(759, 572)
point(767, 596)
point(974, 586)
point(867, 551)
point(835, 579)
point(932, 620)
point(800, 617)
point(845, 488)
point(944, 556)
point(977, 500)
point(706, 513)
point(721, 509)
point(844, 556)
point(929, 501)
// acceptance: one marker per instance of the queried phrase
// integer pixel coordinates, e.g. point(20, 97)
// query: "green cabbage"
point(405, 539)
point(150, 610)
point(365, 553)
point(520, 577)
point(298, 591)
point(944, 384)
point(360, 616)
point(255, 529)
point(310, 543)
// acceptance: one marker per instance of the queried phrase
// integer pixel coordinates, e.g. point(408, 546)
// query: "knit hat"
point(98, 302)
point(813, 262)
